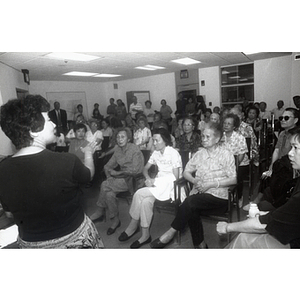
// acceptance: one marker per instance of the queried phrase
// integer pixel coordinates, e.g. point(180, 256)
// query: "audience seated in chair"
point(288, 122)
point(234, 142)
point(161, 187)
point(215, 171)
point(143, 134)
point(130, 160)
point(279, 228)
point(190, 140)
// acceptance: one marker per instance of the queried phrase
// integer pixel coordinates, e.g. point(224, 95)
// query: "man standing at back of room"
point(135, 107)
point(59, 117)
point(111, 108)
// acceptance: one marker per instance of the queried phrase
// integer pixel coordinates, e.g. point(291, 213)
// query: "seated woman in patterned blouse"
point(190, 140)
point(215, 172)
point(233, 141)
point(143, 134)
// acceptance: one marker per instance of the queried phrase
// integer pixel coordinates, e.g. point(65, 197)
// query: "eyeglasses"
point(286, 118)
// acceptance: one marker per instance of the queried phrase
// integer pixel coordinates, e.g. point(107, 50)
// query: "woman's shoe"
point(124, 236)
point(201, 247)
point(158, 244)
point(137, 244)
point(112, 230)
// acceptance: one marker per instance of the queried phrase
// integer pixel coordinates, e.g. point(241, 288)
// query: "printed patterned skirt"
point(85, 236)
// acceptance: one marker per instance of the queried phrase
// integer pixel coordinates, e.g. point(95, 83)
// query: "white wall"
point(272, 81)
point(160, 87)
point(10, 79)
point(295, 89)
point(212, 90)
point(95, 92)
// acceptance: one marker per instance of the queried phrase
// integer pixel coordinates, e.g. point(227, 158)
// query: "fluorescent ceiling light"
point(150, 68)
point(145, 68)
point(225, 72)
point(107, 75)
point(154, 67)
point(186, 61)
point(243, 79)
point(234, 77)
point(72, 56)
point(86, 74)
point(249, 53)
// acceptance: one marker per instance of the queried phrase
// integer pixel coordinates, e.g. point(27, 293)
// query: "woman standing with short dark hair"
point(40, 187)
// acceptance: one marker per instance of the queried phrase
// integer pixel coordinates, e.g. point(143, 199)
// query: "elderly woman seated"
point(161, 188)
point(279, 228)
point(142, 134)
point(190, 140)
point(215, 172)
point(130, 160)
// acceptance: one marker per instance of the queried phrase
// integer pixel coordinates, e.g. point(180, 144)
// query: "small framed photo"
point(184, 74)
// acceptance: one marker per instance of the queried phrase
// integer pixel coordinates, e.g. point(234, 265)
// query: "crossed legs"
point(141, 211)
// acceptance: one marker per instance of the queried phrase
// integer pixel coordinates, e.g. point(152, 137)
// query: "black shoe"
point(198, 247)
point(137, 244)
point(158, 244)
point(99, 219)
point(112, 230)
point(124, 236)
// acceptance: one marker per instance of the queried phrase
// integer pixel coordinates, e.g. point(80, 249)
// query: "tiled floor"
point(161, 222)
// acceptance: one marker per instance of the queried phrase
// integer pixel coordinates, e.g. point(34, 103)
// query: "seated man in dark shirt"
point(279, 228)
point(130, 160)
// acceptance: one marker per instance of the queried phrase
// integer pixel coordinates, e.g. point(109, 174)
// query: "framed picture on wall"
point(184, 74)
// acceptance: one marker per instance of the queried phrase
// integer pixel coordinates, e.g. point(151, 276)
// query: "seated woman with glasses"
point(288, 121)
point(277, 229)
point(190, 140)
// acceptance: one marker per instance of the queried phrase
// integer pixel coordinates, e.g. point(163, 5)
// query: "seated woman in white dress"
point(169, 163)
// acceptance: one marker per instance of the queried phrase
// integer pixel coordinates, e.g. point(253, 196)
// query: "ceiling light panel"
point(71, 56)
point(186, 61)
point(145, 68)
point(249, 53)
point(107, 75)
point(154, 67)
point(75, 73)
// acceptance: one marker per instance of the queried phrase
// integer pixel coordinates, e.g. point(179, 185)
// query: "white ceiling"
point(122, 63)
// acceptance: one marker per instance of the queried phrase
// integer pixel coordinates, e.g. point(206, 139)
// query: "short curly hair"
point(20, 116)
point(80, 126)
point(127, 130)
